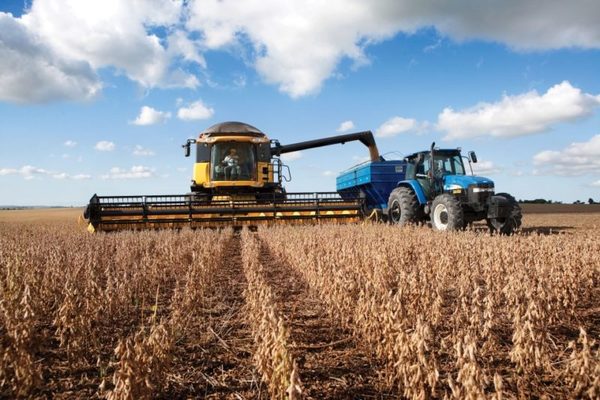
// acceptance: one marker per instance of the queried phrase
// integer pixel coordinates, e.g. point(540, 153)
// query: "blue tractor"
point(430, 186)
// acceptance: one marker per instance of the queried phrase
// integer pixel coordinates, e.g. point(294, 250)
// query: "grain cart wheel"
point(507, 226)
point(447, 214)
point(403, 206)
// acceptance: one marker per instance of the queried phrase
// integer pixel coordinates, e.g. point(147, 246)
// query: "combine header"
point(237, 180)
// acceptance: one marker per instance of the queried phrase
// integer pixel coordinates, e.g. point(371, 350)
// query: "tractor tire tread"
point(513, 222)
point(456, 218)
point(409, 205)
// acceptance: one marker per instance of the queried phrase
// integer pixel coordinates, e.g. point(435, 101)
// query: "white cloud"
point(395, 126)
point(596, 184)
point(142, 152)
point(56, 48)
point(31, 71)
point(484, 168)
point(114, 33)
point(345, 126)
point(30, 172)
point(293, 156)
point(579, 158)
point(328, 173)
point(80, 177)
point(519, 115)
point(195, 111)
point(135, 172)
point(150, 116)
point(297, 45)
point(70, 143)
point(104, 145)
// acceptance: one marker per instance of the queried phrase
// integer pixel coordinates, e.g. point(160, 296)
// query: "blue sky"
point(97, 97)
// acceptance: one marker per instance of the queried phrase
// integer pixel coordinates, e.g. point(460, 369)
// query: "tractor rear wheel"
point(447, 214)
point(403, 207)
point(507, 226)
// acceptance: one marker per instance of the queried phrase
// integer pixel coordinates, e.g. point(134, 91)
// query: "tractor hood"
point(464, 181)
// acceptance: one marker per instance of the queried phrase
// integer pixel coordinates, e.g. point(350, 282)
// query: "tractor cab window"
point(233, 161)
point(443, 164)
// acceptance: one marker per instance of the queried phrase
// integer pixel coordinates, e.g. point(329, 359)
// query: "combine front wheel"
point(446, 214)
point(506, 226)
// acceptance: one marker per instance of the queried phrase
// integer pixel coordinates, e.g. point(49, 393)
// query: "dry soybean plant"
point(441, 315)
point(78, 309)
point(463, 315)
point(272, 355)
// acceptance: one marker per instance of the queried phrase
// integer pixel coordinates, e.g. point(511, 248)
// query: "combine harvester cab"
point(430, 186)
point(237, 181)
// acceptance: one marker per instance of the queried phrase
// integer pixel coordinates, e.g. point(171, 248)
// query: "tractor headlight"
point(483, 190)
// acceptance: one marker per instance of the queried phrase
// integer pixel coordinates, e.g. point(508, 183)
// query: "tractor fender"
point(415, 187)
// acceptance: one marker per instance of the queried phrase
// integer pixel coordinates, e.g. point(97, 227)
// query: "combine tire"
point(403, 207)
point(507, 226)
point(447, 214)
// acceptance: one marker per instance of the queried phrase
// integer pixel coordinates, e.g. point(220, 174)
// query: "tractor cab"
point(440, 171)
point(432, 174)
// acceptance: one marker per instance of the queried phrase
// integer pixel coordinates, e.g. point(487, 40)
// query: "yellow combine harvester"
point(237, 180)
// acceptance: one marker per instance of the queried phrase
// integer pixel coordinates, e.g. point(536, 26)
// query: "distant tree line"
point(544, 201)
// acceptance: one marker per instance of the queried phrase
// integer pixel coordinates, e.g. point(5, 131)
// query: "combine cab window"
point(233, 161)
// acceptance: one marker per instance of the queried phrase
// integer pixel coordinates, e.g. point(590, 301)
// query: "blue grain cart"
point(430, 186)
point(374, 180)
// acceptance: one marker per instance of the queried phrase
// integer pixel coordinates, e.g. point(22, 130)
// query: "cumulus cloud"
point(31, 71)
point(70, 143)
point(150, 116)
point(135, 172)
point(195, 111)
point(79, 177)
point(346, 126)
point(297, 45)
point(293, 156)
point(30, 172)
point(27, 171)
point(56, 48)
point(115, 33)
point(484, 168)
point(104, 145)
point(52, 52)
point(142, 152)
point(395, 126)
point(519, 115)
point(579, 158)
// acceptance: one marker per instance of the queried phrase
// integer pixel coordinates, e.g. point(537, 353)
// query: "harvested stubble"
point(460, 315)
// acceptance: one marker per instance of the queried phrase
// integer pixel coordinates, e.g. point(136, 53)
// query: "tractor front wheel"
point(447, 214)
point(506, 226)
point(403, 206)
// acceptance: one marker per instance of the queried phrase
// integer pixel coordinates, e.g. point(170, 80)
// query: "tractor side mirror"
point(473, 156)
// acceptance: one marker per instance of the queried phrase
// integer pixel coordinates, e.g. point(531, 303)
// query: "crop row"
point(460, 315)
